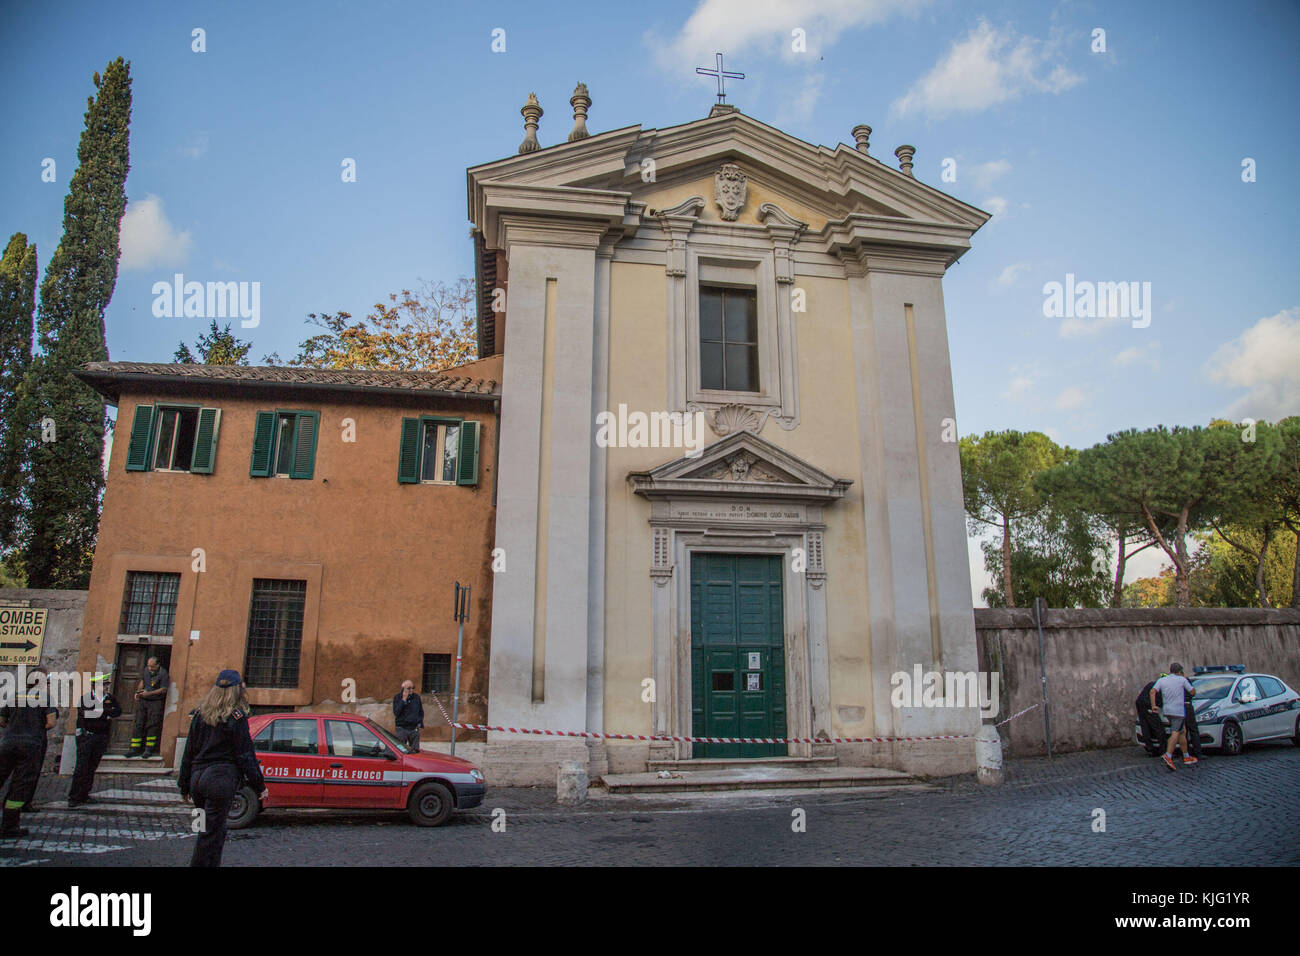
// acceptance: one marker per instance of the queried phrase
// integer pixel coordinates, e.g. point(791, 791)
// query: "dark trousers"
point(20, 764)
point(1193, 733)
point(148, 724)
point(213, 788)
point(409, 736)
point(1154, 730)
point(90, 750)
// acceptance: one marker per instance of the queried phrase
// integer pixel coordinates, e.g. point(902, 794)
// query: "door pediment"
point(741, 465)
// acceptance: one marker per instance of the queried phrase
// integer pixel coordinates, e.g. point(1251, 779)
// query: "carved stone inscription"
point(723, 511)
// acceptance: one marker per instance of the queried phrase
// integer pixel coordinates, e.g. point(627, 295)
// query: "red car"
point(343, 761)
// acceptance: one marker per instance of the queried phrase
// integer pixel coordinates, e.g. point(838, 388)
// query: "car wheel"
point(243, 809)
point(430, 804)
point(1296, 739)
point(1232, 739)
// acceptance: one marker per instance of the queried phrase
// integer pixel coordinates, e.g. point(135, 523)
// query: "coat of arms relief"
point(730, 188)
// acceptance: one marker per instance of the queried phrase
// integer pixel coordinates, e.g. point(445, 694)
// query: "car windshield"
point(401, 747)
point(1213, 688)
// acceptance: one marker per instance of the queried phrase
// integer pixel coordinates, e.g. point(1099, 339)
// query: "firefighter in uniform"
point(150, 697)
point(26, 723)
point(219, 759)
point(94, 720)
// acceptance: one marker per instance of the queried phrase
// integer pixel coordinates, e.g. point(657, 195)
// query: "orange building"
point(306, 527)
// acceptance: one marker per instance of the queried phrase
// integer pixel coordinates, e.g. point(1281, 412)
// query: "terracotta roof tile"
point(447, 381)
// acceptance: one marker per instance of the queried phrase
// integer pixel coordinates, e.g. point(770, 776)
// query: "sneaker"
point(73, 804)
point(1169, 761)
point(135, 753)
point(1189, 761)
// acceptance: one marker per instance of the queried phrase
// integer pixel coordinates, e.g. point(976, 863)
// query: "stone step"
point(755, 778)
point(116, 763)
point(739, 763)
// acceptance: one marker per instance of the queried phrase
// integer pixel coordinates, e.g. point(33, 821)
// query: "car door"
point(288, 749)
point(1278, 719)
point(1250, 708)
point(361, 769)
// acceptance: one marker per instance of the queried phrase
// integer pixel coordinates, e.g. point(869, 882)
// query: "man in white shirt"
point(1174, 689)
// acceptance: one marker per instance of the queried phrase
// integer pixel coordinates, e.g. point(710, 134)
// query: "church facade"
point(729, 497)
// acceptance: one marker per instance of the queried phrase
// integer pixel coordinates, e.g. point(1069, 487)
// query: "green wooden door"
point(737, 653)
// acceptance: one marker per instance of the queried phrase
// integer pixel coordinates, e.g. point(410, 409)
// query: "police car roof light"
point(1219, 669)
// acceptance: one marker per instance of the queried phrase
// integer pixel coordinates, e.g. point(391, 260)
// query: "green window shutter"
point(137, 450)
point(304, 445)
point(408, 458)
point(467, 458)
point(263, 438)
point(205, 441)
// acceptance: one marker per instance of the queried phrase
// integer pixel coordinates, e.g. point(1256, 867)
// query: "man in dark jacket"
point(94, 721)
point(26, 723)
point(1153, 728)
point(408, 713)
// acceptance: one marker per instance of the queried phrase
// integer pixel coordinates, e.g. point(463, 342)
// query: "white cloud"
point(196, 145)
point(1071, 398)
point(1075, 327)
point(737, 27)
point(1018, 389)
point(997, 205)
point(983, 174)
point(810, 94)
point(1010, 274)
point(1139, 354)
point(989, 67)
point(148, 239)
point(1264, 360)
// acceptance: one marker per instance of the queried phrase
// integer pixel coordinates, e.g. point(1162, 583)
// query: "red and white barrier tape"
point(1013, 716)
point(593, 735)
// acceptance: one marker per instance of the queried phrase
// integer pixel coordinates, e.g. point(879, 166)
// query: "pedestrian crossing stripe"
point(60, 846)
point(140, 796)
point(114, 833)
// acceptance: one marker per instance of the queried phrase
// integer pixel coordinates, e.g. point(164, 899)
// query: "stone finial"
point(532, 112)
point(580, 102)
point(905, 154)
point(862, 134)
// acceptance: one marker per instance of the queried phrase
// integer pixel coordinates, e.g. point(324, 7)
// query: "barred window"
point(149, 604)
point(275, 633)
point(436, 678)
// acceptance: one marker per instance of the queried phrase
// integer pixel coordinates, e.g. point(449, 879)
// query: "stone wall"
point(62, 641)
point(1098, 660)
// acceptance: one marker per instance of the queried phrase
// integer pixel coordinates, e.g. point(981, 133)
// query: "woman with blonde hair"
point(219, 759)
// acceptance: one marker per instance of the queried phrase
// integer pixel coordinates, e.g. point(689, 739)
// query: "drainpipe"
point(1042, 670)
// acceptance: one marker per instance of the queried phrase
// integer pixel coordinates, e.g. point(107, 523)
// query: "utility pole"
point(460, 613)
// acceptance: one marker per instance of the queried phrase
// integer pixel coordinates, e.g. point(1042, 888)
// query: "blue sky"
point(1117, 166)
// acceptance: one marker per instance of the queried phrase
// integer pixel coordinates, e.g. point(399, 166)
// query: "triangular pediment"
point(827, 184)
point(741, 464)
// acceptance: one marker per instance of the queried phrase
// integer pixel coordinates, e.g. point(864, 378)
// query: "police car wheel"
point(243, 809)
point(430, 804)
point(1232, 740)
point(1296, 739)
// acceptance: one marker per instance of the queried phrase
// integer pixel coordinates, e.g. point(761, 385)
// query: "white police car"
point(1234, 708)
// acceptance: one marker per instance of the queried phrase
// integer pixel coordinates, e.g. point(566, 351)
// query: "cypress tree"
point(17, 308)
point(67, 477)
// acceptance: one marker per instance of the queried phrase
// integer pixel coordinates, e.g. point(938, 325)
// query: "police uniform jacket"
point(228, 742)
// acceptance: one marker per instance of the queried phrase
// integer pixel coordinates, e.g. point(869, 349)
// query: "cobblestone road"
point(1223, 812)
